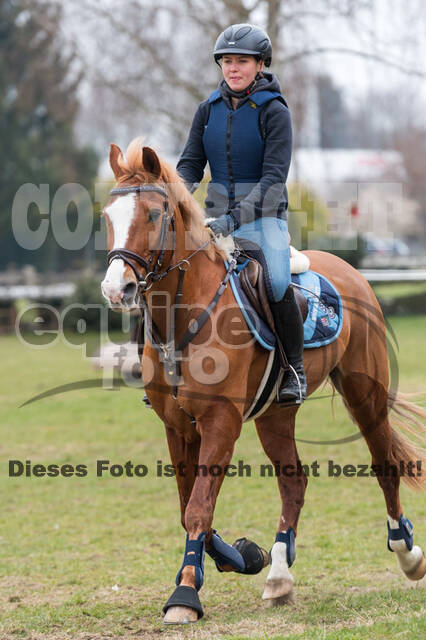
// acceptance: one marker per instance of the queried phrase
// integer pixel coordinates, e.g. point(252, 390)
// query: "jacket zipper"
point(229, 160)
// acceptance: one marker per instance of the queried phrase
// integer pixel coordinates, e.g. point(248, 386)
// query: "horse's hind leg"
point(366, 398)
point(276, 434)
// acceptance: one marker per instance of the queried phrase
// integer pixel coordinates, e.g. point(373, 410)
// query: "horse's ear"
point(150, 162)
point(114, 154)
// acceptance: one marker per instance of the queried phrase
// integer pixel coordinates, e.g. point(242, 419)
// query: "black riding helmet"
point(246, 39)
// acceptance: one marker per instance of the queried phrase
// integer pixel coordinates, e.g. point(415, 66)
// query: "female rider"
point(244, 131)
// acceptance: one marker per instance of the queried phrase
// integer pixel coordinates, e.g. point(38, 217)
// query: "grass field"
point(386, 291)
point(91, 558)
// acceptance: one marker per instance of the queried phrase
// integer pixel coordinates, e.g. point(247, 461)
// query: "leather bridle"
point(169, 348)
point(129, 257)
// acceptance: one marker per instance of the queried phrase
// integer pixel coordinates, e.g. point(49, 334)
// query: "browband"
point(119, 191)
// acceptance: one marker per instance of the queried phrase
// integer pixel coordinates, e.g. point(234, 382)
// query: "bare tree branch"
point(238, 12)
point(304, 53)
point(153, 49)
point(158, 55)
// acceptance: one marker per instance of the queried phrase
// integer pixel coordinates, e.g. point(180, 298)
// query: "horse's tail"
point(409, 416)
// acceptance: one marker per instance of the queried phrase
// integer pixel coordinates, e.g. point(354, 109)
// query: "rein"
point(169, 350)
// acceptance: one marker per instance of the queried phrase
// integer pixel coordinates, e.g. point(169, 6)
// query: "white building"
point(369, 183)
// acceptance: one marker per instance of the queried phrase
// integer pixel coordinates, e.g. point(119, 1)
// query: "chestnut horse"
point(162, 257)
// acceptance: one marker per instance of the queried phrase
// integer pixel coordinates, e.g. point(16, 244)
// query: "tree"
point(333, 115)
point(39, 78)
point(411, 143)
point(156, 63)
point(308, 217)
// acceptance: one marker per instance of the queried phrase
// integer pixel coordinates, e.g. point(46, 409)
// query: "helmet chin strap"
point(245, 92)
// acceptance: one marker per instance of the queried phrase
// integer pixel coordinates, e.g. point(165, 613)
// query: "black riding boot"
point(289, 329)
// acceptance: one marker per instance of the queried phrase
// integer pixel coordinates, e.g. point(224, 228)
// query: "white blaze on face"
point(121, 213)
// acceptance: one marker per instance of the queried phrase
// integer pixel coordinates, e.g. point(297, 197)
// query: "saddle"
point(253, 285)
point(251, 278)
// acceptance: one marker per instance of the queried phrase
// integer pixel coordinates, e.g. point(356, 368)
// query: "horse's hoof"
point(183, 606)
point(277, 588)
point(419, 571)
point(180, 615)
point(288, 599)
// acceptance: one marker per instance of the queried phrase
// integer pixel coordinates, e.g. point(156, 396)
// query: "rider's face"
point(240, 70)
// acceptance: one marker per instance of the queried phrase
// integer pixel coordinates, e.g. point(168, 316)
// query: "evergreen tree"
point(39, 78)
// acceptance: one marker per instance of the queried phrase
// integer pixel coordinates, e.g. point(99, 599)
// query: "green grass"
point(65, 542)
point(389, 291)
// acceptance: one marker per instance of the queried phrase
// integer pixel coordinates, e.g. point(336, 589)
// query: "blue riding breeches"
point(266, 240)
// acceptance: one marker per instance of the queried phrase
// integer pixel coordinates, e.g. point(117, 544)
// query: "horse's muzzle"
point(120, 295)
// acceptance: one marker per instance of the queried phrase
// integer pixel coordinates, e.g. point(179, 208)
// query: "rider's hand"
point(224, 225)
point(211, 232)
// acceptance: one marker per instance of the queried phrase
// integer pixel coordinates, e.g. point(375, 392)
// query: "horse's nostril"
point(129, 292)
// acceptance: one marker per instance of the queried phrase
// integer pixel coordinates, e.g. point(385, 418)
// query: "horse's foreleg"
point(184, 456)
point(276, 433)
point(219, 427)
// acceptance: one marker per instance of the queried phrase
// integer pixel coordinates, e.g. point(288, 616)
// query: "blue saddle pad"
point(325, 313)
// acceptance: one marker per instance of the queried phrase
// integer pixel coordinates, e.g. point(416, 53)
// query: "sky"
point(399, 28)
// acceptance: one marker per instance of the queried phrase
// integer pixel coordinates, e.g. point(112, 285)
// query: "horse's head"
point(137, 221)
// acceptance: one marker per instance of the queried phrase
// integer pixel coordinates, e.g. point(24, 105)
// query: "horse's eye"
point(154, 214)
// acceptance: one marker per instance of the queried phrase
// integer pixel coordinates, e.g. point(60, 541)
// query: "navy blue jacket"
point(248, 150)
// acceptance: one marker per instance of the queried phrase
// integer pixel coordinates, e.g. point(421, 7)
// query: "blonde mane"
point(192, 214)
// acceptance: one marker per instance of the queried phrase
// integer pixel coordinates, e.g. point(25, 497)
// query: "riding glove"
point(224, 225)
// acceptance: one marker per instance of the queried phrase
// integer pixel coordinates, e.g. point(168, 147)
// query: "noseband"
point(128, 256)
